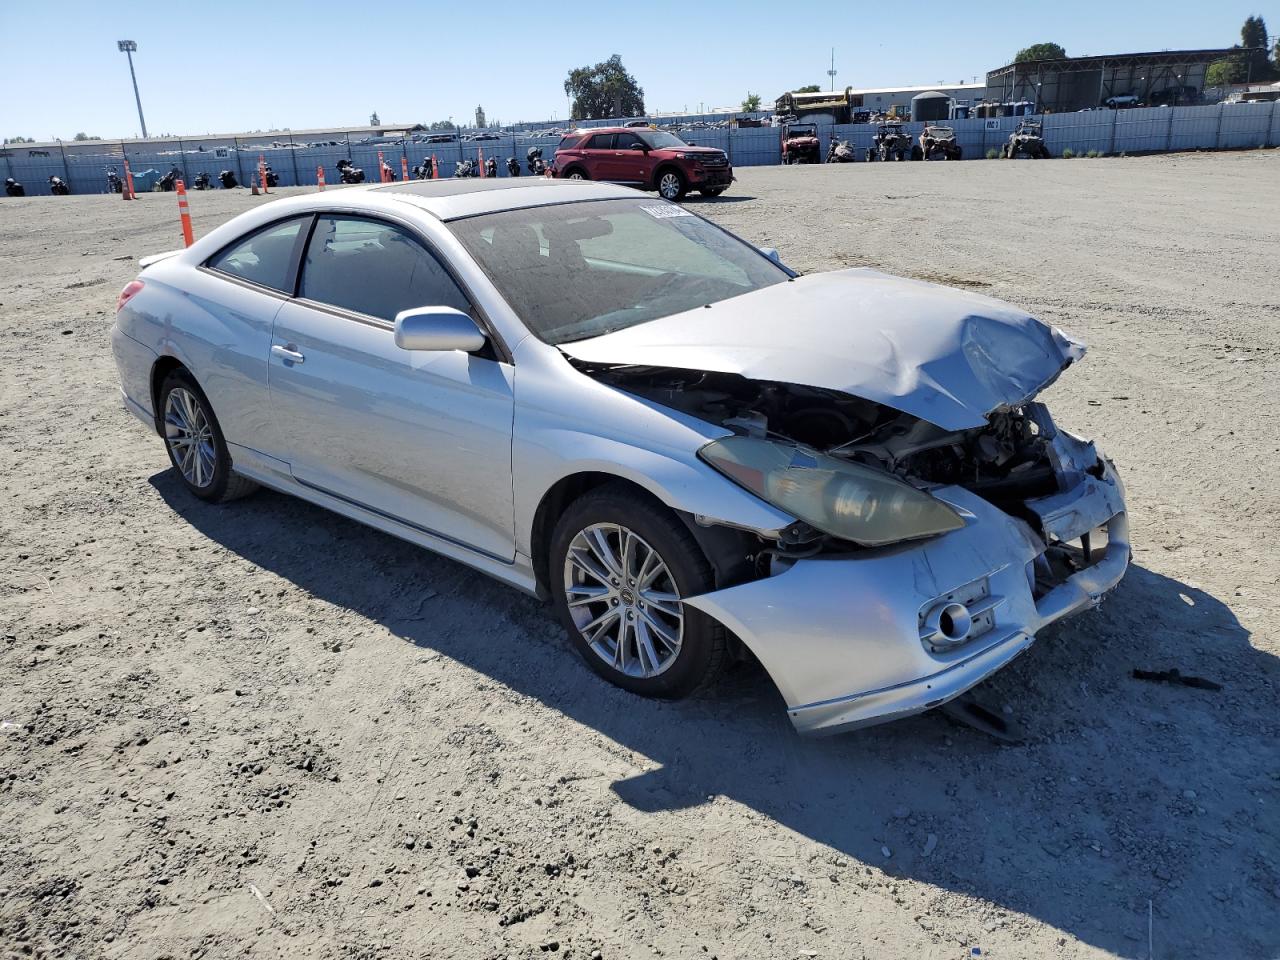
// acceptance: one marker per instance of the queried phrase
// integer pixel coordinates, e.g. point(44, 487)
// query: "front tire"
point(671, 184)
point(576, 173)
point(194, 442)
point(620, 565)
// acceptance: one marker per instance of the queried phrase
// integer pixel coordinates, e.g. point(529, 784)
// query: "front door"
point(627, 163)
point(422, 437)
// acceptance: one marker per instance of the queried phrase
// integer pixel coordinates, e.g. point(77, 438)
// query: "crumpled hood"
point(946, 356)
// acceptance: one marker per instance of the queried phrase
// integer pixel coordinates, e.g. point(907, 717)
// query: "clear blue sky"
point(227, 65)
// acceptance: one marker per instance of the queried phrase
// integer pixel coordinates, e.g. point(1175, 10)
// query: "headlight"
point(847, 500)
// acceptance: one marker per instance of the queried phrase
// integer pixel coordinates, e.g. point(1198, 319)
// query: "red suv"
point(648, 159)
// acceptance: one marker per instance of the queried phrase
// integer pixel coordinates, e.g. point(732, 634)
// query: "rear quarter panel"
point(217, 329)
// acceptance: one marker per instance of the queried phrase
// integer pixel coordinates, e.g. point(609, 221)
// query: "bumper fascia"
point(840, 636)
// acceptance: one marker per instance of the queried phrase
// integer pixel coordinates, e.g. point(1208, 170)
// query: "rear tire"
point(194, 442)
point(576, 173)
point(625, 599)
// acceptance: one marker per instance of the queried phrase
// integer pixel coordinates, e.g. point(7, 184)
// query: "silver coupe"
point(605, 400)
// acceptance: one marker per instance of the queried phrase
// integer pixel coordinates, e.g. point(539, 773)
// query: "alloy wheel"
point(189, 435)
point(669, 186)
point(623, 600)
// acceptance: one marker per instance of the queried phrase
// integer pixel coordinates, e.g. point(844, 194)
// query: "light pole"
point(127, 47)
point(832, 72)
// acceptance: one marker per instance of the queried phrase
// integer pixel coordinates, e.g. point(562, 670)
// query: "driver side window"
point(374, 268)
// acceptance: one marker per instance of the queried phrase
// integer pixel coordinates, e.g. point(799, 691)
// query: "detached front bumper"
point(854, 640)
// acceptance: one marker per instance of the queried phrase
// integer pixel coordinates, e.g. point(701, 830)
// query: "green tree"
point(84, 136)
point(1253, 37)
point(811, 88)
point(751, 104)
point(20, 140)
point(603, 91)
point(1223, 73)
point(441, 125)
point(1041, 51)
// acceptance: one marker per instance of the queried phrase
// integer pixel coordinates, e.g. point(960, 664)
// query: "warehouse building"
point(881, 99)
point(842, 105)
point(1078, 83)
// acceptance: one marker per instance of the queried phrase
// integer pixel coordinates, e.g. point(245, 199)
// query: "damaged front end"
point(922, 559)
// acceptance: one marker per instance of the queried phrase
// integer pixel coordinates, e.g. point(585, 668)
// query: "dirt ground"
point(263, 730)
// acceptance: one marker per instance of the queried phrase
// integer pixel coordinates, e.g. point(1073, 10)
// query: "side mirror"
point(640, 146)
point(437, 328)
point(771, 253)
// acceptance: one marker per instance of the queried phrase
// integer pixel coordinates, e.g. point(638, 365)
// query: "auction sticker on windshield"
point(663, 211)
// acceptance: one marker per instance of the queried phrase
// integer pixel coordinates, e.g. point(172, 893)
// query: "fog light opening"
point(950, 622)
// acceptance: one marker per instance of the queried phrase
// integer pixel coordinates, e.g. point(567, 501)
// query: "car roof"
point(455, 198)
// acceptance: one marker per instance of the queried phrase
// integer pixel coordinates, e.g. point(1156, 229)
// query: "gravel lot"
point(265, 730)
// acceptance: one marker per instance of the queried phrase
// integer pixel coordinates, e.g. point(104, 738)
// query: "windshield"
point(578, 270)
point(657, 140)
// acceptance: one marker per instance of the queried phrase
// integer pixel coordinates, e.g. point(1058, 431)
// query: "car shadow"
point(723, 198)
point(1124, 796)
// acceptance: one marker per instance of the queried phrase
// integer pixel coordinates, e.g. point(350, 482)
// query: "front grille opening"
point(1064, 558)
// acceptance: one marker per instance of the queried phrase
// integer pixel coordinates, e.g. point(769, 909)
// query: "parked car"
point(604, 400)
point(1122, 102)
point(648, 159)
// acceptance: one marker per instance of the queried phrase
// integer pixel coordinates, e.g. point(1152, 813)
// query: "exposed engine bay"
point(1008, 462)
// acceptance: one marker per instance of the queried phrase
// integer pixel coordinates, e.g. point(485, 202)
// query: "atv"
point(800, 143)
point(939, 143)
point(1028, 138)
point(892, 142)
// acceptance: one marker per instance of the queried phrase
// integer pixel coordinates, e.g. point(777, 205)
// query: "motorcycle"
point(537, 166)
point(202, 182)
point(349, 173)
point(513, 167)
point(466, 168)
point(228, 179)
point(491, 167)
point(166, 183)
point(840, 152)
point(12, 188)
point(273, 178)
point(59, 188)
point(114, 183)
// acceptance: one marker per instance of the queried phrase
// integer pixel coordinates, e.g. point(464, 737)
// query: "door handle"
point(287, 354)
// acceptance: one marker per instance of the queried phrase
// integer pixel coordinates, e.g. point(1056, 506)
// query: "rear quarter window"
point(265, 257)
point(569, 142)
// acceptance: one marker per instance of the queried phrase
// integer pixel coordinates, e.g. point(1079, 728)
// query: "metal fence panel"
point(1194, 128)
point(83, 165)
point(1080, 132)
point(1143, 129)
point(1244, 125)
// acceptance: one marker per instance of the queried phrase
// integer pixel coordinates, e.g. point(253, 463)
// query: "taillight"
point(131, 289)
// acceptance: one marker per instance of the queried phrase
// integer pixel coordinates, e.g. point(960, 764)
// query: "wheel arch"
point(163, 366)
point(725, 548)
point(661, 168)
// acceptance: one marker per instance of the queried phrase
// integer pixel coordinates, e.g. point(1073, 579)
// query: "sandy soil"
point(264, 730)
